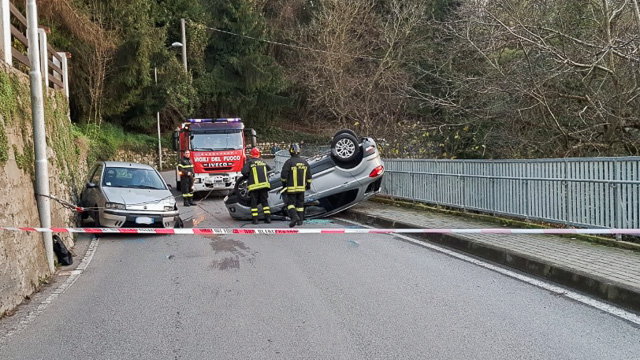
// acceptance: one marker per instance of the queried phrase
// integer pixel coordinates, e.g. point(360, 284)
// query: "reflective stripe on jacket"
point(255, 170)
point(296, 175)
point(185, 166)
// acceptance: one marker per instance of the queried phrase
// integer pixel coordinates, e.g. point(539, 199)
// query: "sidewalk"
point(607, 272)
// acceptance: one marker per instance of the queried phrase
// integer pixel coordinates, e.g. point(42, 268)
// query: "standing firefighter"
point(296, 178)
point(255, 170)
point(186, 178)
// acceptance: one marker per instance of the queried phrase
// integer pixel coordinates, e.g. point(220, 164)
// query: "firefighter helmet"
point(255, 152)
point(294, 149)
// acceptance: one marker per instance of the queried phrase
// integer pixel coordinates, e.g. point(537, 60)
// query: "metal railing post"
point(65, 73)
point(617, 199)
point(5, 32)
point(413, 180)
point(44, 59)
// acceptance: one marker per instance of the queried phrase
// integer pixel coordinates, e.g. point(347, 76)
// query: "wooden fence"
point(15, 45)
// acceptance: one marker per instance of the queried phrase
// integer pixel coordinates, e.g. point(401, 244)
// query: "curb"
point(602, 288)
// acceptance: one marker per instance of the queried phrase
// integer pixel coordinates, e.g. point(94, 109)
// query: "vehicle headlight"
point(168, 208)
point(115, 206)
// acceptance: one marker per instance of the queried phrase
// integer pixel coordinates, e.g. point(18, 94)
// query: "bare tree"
point(358, 76)
point(551, 78)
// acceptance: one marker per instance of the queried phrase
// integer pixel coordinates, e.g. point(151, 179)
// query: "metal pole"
point(155, 73)
point(39, 131)
point(65, 73)
point(5, 32)
point(44, 59)
point(184, 44)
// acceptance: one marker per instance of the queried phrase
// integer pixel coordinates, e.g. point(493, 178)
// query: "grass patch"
point(107, 139)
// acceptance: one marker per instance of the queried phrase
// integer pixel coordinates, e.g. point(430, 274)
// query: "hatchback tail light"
point(377, 171)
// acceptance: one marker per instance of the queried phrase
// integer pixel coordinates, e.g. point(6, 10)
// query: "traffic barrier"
point(285, 231)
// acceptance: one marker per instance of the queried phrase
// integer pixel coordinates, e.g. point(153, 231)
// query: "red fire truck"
point(218, 151)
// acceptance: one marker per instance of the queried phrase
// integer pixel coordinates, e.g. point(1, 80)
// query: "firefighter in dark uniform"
point(255, 170)
point(296, 178)
point(186, 178)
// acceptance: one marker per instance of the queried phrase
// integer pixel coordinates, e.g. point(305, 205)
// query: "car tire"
point(96, 217)
point(346, 131)
point(345, 148)
point(241, 189)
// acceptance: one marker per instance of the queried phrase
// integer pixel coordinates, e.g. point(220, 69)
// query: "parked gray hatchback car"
point(122, 194)
point(342, 177)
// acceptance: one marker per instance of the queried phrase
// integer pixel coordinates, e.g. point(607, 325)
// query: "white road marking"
point(586, 300)
point(73, 276)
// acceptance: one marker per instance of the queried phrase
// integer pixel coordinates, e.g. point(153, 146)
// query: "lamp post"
point(155, 74)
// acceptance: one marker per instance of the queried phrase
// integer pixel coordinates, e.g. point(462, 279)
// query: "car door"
point(91, 189)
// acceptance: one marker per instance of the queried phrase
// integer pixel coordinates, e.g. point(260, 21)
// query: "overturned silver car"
point(342, 177)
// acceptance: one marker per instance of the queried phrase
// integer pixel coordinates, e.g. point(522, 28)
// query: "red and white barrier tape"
point(284, 231)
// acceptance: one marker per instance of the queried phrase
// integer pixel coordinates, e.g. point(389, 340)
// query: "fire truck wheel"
point(345, 147)
point(241, 189)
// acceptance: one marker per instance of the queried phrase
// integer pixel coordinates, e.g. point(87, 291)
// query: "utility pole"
point(39, 131)
point(184, 44)
point(155, 73)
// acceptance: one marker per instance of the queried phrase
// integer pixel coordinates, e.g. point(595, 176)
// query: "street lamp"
point(155, 73)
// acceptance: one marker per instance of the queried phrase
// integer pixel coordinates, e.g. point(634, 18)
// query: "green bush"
point(107, 139)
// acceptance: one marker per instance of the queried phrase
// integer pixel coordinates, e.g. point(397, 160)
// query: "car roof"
point(122, 164)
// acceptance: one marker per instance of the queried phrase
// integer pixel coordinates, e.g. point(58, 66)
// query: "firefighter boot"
point(254, 221)
point(186, 202)
point(300, 217)
point(293, 215)
point(267, 219)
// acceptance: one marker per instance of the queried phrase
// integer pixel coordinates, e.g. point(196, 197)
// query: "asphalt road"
point(304, 297)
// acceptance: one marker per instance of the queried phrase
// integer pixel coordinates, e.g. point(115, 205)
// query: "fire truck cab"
point(218, 151)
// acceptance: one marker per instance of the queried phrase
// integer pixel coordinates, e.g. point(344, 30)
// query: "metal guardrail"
point(585, 192)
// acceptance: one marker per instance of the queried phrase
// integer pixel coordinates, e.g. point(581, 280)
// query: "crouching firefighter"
point(296, 178)
point(255, 170)
point(186, 178)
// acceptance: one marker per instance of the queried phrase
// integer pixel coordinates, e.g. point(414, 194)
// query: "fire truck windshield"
point(217, 140)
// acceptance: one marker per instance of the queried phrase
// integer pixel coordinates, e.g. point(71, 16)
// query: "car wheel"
point(241, 189)
point(96, 217)
point(345, 148)
point(346, 131)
